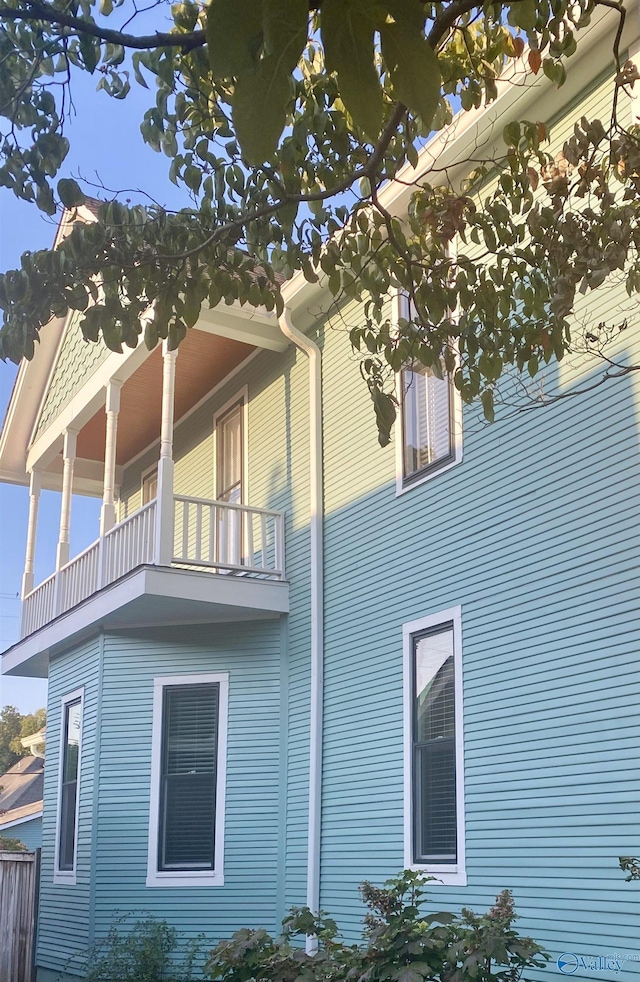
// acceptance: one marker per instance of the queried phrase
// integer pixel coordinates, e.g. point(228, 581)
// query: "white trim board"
point(184, 878)
point(445, 874)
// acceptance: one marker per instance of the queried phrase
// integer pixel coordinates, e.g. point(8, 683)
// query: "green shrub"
point(147, 952)
point(7, 844)
point(401, 944)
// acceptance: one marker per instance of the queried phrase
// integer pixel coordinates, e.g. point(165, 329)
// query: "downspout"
point(316, 509)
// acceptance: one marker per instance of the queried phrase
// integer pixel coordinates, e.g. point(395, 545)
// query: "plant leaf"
point(523, 14)
point(260, 110)
point(413, 68)
point(347, 28)
point(285, 30)
point(234, 36)
point(69, 192)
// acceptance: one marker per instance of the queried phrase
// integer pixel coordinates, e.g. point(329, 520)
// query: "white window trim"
point(147, 472)
point(241, 395)
point(446, 875)
point(182, 878)
point(68, 877)
point(400, 309)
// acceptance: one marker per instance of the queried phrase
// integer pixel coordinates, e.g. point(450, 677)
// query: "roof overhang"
point(18, 816)
point(521, 95)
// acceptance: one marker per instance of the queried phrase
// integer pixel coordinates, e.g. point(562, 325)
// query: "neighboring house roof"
point(35, 742)
point(21, 791)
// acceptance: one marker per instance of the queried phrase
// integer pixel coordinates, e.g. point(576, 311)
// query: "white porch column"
point(35, 485)
point(164, 503)
point(112, 406)
point(69, 460)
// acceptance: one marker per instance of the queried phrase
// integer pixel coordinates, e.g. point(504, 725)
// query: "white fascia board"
point(24, 405)
point(32, 381)
point(250, 325)
point(150, 596)
point(519, 93)
point(86, 402)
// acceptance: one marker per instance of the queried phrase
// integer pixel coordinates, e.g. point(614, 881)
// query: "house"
point(293, 660)
point(21, 789)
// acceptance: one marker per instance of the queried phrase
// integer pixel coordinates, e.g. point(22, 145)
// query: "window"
point(427, 428)
point(230, 463)
point(68, 785)
point(186, 826)
point(430, 424)
point(230, 479)
point(434, 764)
point(150, 485)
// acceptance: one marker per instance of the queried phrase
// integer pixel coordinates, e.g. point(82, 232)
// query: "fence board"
point(18, 874)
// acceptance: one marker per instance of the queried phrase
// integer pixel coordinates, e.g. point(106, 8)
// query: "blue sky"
point(105, 140)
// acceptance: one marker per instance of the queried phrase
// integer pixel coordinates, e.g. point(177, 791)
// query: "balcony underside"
point(150, 596)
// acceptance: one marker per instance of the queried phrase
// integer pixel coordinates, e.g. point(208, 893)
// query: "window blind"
point(189, 770)
point(426, 419)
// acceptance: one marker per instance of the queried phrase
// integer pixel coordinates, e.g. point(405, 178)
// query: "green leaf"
point(70, 193)
point(347, 28)
point(385, 410)
point(234, 36)
point(486, 398)
point(523, 14)
point(413, 68)
point(90, 50)
point(259, 112)
point(285, 31)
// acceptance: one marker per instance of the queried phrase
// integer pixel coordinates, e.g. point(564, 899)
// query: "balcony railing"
point(213, 536)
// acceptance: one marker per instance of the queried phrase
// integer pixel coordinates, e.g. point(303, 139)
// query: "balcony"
point(209, 561)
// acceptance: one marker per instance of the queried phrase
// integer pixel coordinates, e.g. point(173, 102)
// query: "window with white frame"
point(150, 485)
point(427, 423)
point(230, 452)
point(186, 826)
point(430, 421)
point(68, 786)
point(434, 763)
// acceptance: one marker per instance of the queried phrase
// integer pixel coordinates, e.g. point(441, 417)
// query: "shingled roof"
point(21, 790)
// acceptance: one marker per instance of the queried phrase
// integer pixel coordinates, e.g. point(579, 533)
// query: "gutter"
point(316, 517)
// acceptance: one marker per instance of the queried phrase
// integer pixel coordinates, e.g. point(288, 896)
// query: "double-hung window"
point(434, 764)
point(230, 478)
point(188, 780)
point(430, 425)
point(68, 787)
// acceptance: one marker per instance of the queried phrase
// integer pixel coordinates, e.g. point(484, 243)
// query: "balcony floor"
point(150, 596)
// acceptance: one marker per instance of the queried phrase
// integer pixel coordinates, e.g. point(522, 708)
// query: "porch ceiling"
point(203, 361)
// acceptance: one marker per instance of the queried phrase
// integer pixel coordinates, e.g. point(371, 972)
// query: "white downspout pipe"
point(316, 509)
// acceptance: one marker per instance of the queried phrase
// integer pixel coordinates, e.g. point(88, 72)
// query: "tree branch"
point(59, 18)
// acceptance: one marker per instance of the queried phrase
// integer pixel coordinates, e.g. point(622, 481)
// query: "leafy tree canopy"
point(14, 726)
point(284, 119)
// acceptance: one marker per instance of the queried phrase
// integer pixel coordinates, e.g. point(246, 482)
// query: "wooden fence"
point(18, 887)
